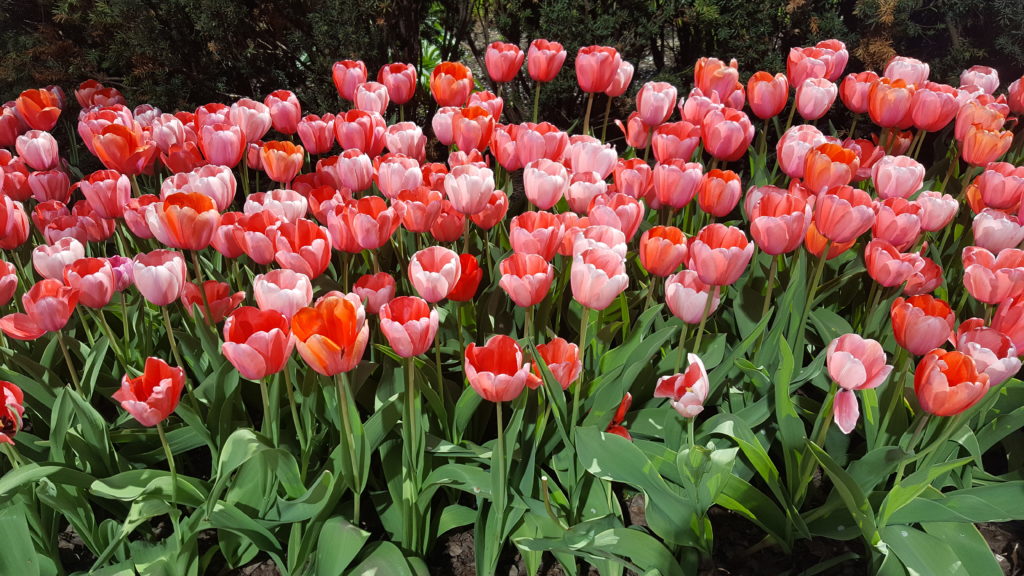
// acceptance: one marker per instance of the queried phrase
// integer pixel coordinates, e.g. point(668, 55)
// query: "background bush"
point(183, 53)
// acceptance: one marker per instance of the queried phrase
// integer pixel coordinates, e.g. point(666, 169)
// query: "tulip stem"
point(584, 321)
point(113, 341)
point(647, 149)
point(528, 324)
point(343, 401)
point(85, 326)
point(798, 350)
point(71, 366)
point(208, 317)
point(853, 127)
point(135, 185)
point(682, 347)
point(607, 116)
point(770, 286)
point(413, 455)
point(536, 101)
point(586, 116)
point(903, 360)
point(267, 423)
point(690, 432)
point(177, 357)
point(124, 317)
point(174, 477)
point(500, 491)
point(294, 410)
point(704, 317)
point(401, 113)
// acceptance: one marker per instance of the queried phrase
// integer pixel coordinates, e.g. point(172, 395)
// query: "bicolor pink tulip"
point(687, 391)
point(854, 363)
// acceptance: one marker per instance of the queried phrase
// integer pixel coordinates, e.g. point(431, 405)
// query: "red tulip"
point(93, 278)
point(409, 324)
point(563, 361)
point(544, 60)
point(767, 94)
point(219, 297)
point(469, 279)
point(719, 254)
point(11, 411)
point(854, 363)
point(496, 370)
point(331, 337)
point(346, 75)
point(921, 323)
point(948, 383)
point(153, 396)
point(40, 109)
point(400, 80)
point(257, 342)
point(159, 276)
point(451, 83)
point(123, 149)
point(687, 391)
point(596, 67)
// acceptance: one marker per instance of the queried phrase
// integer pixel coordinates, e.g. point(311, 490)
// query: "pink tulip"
point(8, 282)
point(623, 76)
point(347, 75)
point(94, 280)
point(992, 278)
point(779, 222)
point(675, 182)
point(503, 61)
point(597, 277)
point(897, 221)
point(376, 290)
point(843, 214)
point(992, 351)
point(937, 210)
point(687, 296)
point(409, 324)
point(909, 70)
point(794, 146)
point(675, 140)
point(434, 271)
point(50, 261)
point(544, 60)
point(897, 176)
point(855, 363)
point(284, 291)
point(536, 233)
point(407, 138)
point(596, 67)
point(38, 149)
point(719, 254)
point(687, 391)
point(583, 188)
point(814, 98)
point(400, 80)
point(995, 230)
point(496, 370)
point(526, 278)
point(767, 94)
point(159, 276)
point(545, 182)
point(727, 134)
point(655, 102)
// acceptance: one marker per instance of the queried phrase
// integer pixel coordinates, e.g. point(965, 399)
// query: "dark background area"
point(178, 54)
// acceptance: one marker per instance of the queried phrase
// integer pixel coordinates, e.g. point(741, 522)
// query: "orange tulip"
point(451, 83)
point(282, 160)
point(123, 149)
point(39, 108)
point(332, 336)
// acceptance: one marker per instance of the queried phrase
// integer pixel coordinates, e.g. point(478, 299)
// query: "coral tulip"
point(331, 336)
point(688, 390)
point(563, 361)
point(719, 254)
point(921, 323)
point(767, 94)
point(151, 397)
point(347, 74)
point(948, 383)
point(94, 280)
point(400, 79)
point(544, 60)
point(258, 343)
point(597, 277)
point(596, 67)
point(451, 83)
point(48, 306)
point(992, 278)
point(526, 278)
point(282, 160)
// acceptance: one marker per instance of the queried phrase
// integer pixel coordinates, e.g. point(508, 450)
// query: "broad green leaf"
point(56, 473)
point(910, 487)
point(340, 543)
point(968, 544)
point(385, 558)
point(995, 503)
point(921, 553)
point(17, 555)
point(743, 498)
point(855, 500)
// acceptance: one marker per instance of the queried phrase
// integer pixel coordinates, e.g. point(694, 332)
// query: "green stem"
point(501, 495)
point(177, 356)
point(682, 347)
point(174, 477)
point(690, 432)
point(584, 321)
point(704, 318)
point(267, 425)
point(586, 116)
point(124, 317)
point(208, 316)
point(71, 365)
point(536, 101)
point(413, 455)
point(118, 353)
point(292, 405)
point(85, 326)
point(798, 350)
point(343, 393)
point(607, 115)
point(897, 395)
point(853, 126)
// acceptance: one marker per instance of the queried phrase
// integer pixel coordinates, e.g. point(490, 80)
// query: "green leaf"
point(994, 503)
point(922, 553)
point(17, 555)
point(56, 473)
point(855, 500)
point(339, 544)
point(226, 516)
point(968, 544)
point(134, 484)
point(792, 431)
point(385, 558)
point(743, 498)
point(911, 486)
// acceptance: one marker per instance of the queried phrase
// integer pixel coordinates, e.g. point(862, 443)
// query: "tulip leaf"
point(134, 484)
point(226, 516)
point(743, 498)
point(339, 544)
point(912, 486)
point(923, 553)
point(854, 498)
point(384, 558)
point(792, 431)
point(17, 555)
point(54, 472)
point(968, 544)
point(993, 503)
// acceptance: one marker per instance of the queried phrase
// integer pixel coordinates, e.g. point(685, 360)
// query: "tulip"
point(442, 125)
point(980, 146)
point(675, 140)
point(1001, 185)
point(563, 361)
point(925, 280)
point(372, 97)
point(450, 223)
point(897, 176)
point(906, 69)
point(983, 77)
point(434, 272)
point(887, 266)
point(675, 182)
point(623, 76)
point(122, 149)
point(687, 297)
point(526, 278)
point(503, 61)
point(184, 221)
point(420, 208)
point(466, 287)
point(8, 282)
point(469, 187)
point(636, 132)
point(794, 146)
point(40, 109)
point(496, 370)
point(991, 278)
point(933, 106)
point(1015, 96)
point(855, 91)
point(596, 67)
point(889, 102)
point(396, 173)
point(451, 83)
point(698, 105)
point(153, 396)
point(719, 254)
point(815, 243)
point(107, 191)
point(472, 128)
point(593, 157)
point(331, 336)
point(408, 139)
point(286, 205)
point(159, 276)
point(779, 222)
point(655, 102)
point(284, 291)
point(252, 117)
point(409, 324)
point(588, 235)
point(843, 214)
point(1009, 320)
point(687, 391)
point(545, 183)
point(50, 261)
point(38, 149)
point(536, 141)
point(854, 363)
point(767, 94)
point(719, 192)
point(48, 306)
point(937, 210)
point(995, 230)
point(94, 280)
point(727, 134)
point(50, 185)
point(597, 277)
point(494, 212)
point(829, 166)
point(948, 383)
point(619, 211)
point(921, 323)
point(814, 98)
point(713, 75)
point(897, 221)
point(354, 170)
point(400, 80)
point(11, 411)
point(662, 250)
point(285, 111)
point(360, 130)
point(347, 74)
point(992, 351)
point(282, 160)
point(258, 343)
point(375, 290)
point(987, 113)
point(544, 60)
point(633, 180)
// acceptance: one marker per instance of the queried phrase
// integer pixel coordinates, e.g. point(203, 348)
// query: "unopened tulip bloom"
point(372, 97)
point(897, 176)
point(451, 83)
point(361, 130)
point(633, 179)
point(38, 149)
point(719, 254)
point(466, 287)
point(449, 225)
point(1009, 319)
point(222, 144)
point(909, 70)
point(252, 117)
point(598, 276)
point(400, 80)
point(767, 94)
point(184, 221)
point(159, 276)
point(843, 214)
point(433, 272)
point(11, 411)
point(563, 361)
point(593, 157)
point(726, 134)
point(219, 297)
point(526, 278)
point(545, 182)
point(285, 111)
point(995, 230)
point(719, 192)
point(107, 191)
point(496, 370)
point(282, 160)
point(50, 185)
point(686, 391)
point(471, 128)
point(983, 77)
point(331, 336)
point(407, 138)
point(794, 146)
point(347, 74)
point(889, 102)
point(257, 342)
point(675, 182)
point(933, 106)
point(778, 222)
point(828, 166)
point(544, 60)
point(151, 397)
point(992, 278)
point(855, 91)
point(536, 233)
point(596, 67)
point(503, 61)
point(636, 132)
point(814, 98)
point(948, 383)
point(8, 282)
point(662, 250)
point(1015, 96)
point(409, 324)
point(623, 76)
point(687, 296)
point(854, 363)
point(94, 280)
point(887, 266)
point(655, 102)
point(617, 210)
point(713, 75)
point(469, 188)
point(921, 323)
point(980, 146)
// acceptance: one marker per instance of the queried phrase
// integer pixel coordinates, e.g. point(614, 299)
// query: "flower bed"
point(336, 361)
